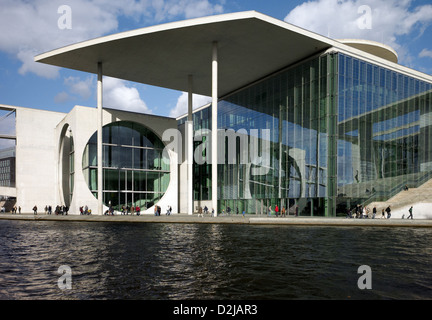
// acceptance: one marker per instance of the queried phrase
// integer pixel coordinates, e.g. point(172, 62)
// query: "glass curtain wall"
point(341, 132)
point(202, 171)
point(384, 132)
point(282, 143)
point(7, 147)
point(134, 171)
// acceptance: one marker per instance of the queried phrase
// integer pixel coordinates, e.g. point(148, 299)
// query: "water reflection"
point(186, 261)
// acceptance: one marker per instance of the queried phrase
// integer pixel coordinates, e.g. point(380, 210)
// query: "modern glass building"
point(305, 122)
point(343, 132)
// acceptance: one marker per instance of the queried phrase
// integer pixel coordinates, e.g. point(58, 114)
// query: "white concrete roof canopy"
point(251, 45)
point(376, 48)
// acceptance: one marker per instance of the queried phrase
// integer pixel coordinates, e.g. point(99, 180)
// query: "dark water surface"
point(211, 261)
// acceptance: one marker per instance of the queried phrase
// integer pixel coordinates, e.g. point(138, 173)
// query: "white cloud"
point(83, 88)
point(340, 19)
point(425, 53)
point(62, 97)
point(33, 29)
point(26, 56)
point(33, 26)
point(117, 95)
point(181, 107)
point(161, 10)
point(77, 88)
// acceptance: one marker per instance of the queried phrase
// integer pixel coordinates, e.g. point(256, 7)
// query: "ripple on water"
point(185, 261)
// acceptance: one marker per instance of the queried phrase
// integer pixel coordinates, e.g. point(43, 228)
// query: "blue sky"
point(31, 27)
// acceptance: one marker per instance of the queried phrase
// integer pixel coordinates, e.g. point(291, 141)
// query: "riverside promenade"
point(227, 219)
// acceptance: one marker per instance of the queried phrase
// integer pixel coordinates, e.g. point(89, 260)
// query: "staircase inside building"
point(377, 192)
point(420, 198)
point(406, 197)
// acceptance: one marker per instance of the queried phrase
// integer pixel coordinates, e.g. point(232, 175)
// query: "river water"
point(211, 261)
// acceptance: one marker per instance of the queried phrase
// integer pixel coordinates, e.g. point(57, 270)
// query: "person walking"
point(410, 213)
point(283, 212)
point(365, 213)
point(269, 211)
point(382, 213)
point(374, 211)
point(277, 211)
point(388, 210)
point(35, 210)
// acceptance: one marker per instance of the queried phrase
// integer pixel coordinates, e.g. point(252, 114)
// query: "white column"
point(189, 161)
point(99, 139)
point(214, 176)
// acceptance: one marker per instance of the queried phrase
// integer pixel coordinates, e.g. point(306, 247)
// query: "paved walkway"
point(232, 219)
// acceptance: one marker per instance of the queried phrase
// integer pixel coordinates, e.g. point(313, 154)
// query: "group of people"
point(206, 211)
point(228, 211)
point(360, 212)
point(124, 210)
point(60, 209)
point(282, 212)
point(15, 209)
point(277, 211)
point(63, 210)
point(84, 210)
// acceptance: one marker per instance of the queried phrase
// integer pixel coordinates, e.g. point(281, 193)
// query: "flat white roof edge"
point(147, 30)
point(368, 42)
point(136, 32)
point(182, 24)
point(11, 107)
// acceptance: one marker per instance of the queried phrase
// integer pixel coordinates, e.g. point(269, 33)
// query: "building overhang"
point(251, 45)
point(373, 47)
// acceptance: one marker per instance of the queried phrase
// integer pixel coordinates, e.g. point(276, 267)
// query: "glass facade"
point(288, 115)
point(384, 132)
point(7, 148)
point(134, 171)
point(337, 132)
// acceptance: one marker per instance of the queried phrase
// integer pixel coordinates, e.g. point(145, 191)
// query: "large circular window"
point(134, 172)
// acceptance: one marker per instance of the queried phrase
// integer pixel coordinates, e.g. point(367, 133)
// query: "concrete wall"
point(82, 123)
point(36, 158)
